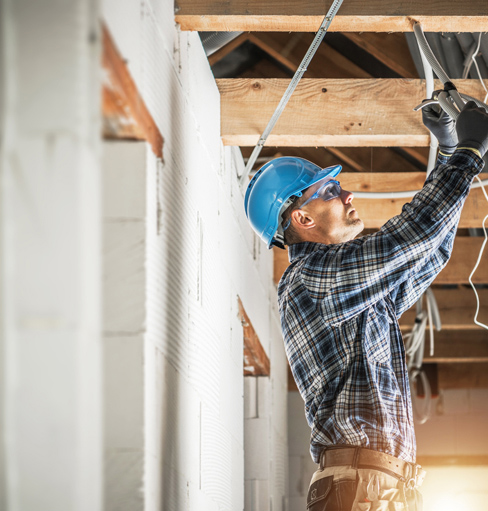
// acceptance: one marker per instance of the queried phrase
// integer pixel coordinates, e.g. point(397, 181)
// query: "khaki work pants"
point(348, 489)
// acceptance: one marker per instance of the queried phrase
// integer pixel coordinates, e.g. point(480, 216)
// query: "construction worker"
point(340, 300)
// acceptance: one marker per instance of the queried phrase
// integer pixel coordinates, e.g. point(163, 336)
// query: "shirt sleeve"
point(407, 293)
point(405, 254)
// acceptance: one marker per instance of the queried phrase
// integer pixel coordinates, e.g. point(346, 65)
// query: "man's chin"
point(357, 226)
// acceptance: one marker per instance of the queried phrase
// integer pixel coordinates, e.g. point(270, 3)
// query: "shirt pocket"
point(377, 339)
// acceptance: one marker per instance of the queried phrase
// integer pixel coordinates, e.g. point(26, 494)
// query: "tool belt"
point(358, 457)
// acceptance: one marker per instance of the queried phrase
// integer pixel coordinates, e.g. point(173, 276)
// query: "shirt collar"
point(298, 250)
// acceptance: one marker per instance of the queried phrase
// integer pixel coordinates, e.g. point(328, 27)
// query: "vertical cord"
point(477, 264)
point(473, 57)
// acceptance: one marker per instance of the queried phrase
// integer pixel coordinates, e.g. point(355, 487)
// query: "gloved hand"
point(472, 127)
point(441, 126)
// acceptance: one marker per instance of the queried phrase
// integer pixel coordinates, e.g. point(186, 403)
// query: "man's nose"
point(347, 197)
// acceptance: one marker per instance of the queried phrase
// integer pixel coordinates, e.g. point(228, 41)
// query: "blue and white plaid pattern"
point(340, 305)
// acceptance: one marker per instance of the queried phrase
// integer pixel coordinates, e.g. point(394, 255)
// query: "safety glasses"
point(328, 191)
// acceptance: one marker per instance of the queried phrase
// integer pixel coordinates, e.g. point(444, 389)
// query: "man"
point(340, 300)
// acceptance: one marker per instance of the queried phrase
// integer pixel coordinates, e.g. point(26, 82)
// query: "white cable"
point(473, 57)
point(477, 264)
point(429, 90)
point(422, 417)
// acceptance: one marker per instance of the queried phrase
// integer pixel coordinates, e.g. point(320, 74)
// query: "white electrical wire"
point(473, 57)
point(477, 264)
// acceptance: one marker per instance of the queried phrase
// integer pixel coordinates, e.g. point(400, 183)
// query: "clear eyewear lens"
point(328, 191)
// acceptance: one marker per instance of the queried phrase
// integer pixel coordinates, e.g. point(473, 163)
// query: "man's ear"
point(302, 220)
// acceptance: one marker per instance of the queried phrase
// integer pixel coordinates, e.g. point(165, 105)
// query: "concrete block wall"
point(124, 307)
point(50, 263)
point(199, 256)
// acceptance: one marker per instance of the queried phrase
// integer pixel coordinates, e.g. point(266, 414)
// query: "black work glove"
point(441, 126)
point(472, 127)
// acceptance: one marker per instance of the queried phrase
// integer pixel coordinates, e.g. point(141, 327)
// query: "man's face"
point(336, 219)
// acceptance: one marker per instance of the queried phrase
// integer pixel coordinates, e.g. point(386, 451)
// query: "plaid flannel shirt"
point(339, 307)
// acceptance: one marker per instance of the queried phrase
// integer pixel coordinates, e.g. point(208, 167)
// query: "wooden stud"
point(124, 111)
point(256, 362)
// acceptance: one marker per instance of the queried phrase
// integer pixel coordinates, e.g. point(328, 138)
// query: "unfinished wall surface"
point(199, 256)
point(50, 264)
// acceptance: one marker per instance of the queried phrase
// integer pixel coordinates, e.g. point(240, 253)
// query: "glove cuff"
point(474, 144)
point(447, 149)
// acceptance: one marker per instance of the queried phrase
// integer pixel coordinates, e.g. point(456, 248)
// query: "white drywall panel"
point(51, 262)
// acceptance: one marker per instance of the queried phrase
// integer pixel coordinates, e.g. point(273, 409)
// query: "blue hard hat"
point(272, 189)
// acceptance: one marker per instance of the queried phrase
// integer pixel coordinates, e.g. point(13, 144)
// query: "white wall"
point(200, 255)
point(50, 262)
point(177, 253)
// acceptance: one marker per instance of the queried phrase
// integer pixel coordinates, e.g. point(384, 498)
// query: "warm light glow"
point(455, 489)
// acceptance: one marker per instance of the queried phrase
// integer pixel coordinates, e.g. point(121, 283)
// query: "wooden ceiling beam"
point(456, 346)
point(457, 270)
point(329, 112)
point(353, 16)
point(456, 309)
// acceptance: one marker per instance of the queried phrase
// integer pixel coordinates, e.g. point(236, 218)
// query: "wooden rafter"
point(327, 112)
point(256, 362)
point(390, 49)
point(457, 270)
point(353, 16)
point(289, 50)
point(125, 114)
point(227, 48)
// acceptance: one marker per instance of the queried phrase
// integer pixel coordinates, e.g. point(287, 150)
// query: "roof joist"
point(329, 112)
point(353, 16)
